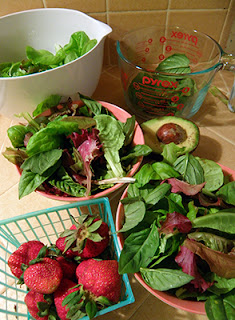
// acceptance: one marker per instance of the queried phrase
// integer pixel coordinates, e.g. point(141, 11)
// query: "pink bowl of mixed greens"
point(75, 149)
point(176, 226)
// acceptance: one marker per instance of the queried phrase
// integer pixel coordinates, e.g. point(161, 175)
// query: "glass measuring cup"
point(152, 89)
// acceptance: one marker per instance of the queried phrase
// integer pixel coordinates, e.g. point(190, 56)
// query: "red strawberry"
point(101, 278)
point(43, 276)
point(61, 293)
point(68, 267)
point(24, 254)
point(34, 302)
point(88, 237)
point(61, 243)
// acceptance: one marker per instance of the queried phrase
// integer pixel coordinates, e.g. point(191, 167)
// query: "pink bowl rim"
point(138, 138)
point(186, 305)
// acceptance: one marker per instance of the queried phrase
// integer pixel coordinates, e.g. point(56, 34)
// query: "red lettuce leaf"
point(222, 264)
point(182, 186)
point(89, 147)
point(174, 221)
point(186, 259)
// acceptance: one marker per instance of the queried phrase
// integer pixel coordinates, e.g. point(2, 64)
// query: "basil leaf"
point(138, 249)
point(128, 130)
point(175, 203)
point(49, 102)
point(134, 213)
point(163, 279)
point(16, 134)
point(190, 169)
point(145, 175)
point(171, 152)
point(41, 162)
point(165, 171)
point(215, 308)
point(157, 194)
point(213, 174)
point(221, 285)
point(137, 151)
point(227, 193)
point(223, 220)
point(176, 63)
point(30, 181)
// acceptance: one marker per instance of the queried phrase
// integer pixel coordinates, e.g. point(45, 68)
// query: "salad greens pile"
point(42, 60)
point(179, 230)
point(78, 150)
point(168, 90)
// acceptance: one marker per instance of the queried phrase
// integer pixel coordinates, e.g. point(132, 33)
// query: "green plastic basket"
point(46, 226)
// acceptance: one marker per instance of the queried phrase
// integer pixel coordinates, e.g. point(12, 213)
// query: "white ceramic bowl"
point(43, 29)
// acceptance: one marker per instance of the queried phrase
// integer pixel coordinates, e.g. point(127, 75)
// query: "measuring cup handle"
point(228, 61)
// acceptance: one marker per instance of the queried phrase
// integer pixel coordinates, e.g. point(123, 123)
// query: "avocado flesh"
point(151, 127)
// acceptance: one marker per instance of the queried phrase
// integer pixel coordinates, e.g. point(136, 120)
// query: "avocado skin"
point(151, 127)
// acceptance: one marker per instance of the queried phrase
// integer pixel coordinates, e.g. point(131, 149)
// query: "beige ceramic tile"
point(123, 22)
point(11, 206)
point(229, 29)
point(154, 309)
point(131, 5)
point(109, 89)
point(81, 5)
point(199, 4)
point(126, 312)
point(10, 6)
point(126, 21)
point(210, 22)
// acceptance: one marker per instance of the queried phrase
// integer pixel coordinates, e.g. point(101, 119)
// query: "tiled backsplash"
point(214, 17)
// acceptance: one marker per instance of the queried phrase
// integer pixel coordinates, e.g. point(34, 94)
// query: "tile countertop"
point(217, 142)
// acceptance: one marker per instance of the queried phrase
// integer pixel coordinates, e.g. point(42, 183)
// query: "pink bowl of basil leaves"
point(74, 150)
point(176, 226)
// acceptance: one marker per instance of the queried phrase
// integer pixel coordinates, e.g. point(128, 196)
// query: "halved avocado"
point(163, 130)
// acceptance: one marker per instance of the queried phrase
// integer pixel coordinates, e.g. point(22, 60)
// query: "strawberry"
point(38, 307)
point(100, 278)
point(88, 237)
point(44, 275)
point(67, 306)
point(61, 243)
point(23, 255)
point(68, 267)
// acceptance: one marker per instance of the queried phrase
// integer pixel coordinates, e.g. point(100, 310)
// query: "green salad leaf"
point(42, 60)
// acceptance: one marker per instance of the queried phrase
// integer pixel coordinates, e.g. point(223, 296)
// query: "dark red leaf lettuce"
point(220, 263)
point(174, 221)
point(182, 186)
point(186, 259)
point(89, 147)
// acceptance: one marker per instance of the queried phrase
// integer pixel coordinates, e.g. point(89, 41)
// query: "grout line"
point(221, 136)
point(136, 310)
point(167, 12)
point(44, 3)
point(163, 10)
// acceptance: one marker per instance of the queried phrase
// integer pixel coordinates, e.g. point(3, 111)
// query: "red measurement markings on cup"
point(142, 48)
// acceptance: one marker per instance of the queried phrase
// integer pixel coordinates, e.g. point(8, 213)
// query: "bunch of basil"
point(49, 153)
point(179, 230)
point(42, 60)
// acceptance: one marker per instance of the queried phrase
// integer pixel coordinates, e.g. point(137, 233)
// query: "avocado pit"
point(171, 132)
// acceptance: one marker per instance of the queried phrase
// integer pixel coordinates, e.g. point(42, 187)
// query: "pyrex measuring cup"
point(180, 84)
